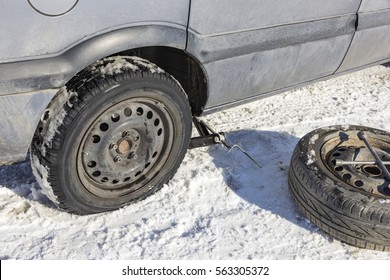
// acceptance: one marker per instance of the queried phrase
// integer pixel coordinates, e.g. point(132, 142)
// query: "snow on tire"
point(114, 135)
point(349, 202)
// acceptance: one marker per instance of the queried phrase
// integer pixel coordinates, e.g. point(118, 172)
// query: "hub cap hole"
point(384, 190)
point(104, 180)
point(339, 168)
point(96, 174)
point(359, 183)
point(115, 117)
point(96, 139)
point(347, 176)
point(372, 170)
point(140, 111)
point(159, 132)
point(92, 164)
point(104, 127)
point(150, 115)
point(156, 122)
point(128, 112)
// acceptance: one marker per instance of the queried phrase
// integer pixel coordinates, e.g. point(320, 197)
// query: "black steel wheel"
point(336, 181)
point(115, 135)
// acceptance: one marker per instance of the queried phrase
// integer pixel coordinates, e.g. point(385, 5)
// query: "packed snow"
point(57, 114)
point(117, 64)
point(219, 205)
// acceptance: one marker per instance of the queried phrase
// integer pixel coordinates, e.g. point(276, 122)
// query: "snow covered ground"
point(219, 205)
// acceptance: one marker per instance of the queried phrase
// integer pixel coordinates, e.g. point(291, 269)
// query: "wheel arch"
point(183, 67)
point(162, 44)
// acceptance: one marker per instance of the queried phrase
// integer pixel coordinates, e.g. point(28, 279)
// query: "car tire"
point(349, 202)
point(114, 135)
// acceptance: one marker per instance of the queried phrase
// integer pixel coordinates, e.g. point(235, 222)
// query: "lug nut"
point(117, 159)
point(113, 146)
point(136, 138)
point(126, 134)
point(135, 157)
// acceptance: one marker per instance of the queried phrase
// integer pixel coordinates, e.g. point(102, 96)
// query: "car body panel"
point(261, 73)
point(257, 47)
point(374, 5)
point(19, 115)
point(371, 42)
point(54, 72)
point(218, 17)
point(51, 36)
point(225, 46)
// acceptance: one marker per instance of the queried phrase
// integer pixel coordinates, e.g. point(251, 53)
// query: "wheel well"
point(182, 67)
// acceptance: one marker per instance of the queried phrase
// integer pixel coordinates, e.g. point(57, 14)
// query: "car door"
point(371, 43)
point(253, 47)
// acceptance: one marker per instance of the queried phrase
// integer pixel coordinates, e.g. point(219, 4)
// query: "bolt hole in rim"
point(142, 140)
point(372, 170)
point(339, 168)
point(128, 112)
point(96, 139)
point(359, 183)
point(366, 178)
point(104, 127)
point(347, 176)
point(115, 117)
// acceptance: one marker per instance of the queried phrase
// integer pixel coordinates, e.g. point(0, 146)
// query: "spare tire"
point(351, 202)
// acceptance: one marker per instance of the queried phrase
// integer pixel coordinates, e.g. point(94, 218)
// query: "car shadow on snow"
point(265, 187)
point(19, 179)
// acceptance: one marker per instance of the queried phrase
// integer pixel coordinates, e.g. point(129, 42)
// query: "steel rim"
point(347, 146)
point(125, 147)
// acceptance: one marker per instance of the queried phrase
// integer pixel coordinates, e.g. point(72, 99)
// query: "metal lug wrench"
point(379, 162)
point(340, 162)
point(221, 139)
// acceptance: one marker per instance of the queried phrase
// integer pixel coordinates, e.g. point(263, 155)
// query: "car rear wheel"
point(349, 201)
point(116, 134)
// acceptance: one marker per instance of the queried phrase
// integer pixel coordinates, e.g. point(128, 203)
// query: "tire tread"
point(347, 219)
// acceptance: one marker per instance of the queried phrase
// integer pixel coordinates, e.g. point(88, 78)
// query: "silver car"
point(103, 93)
